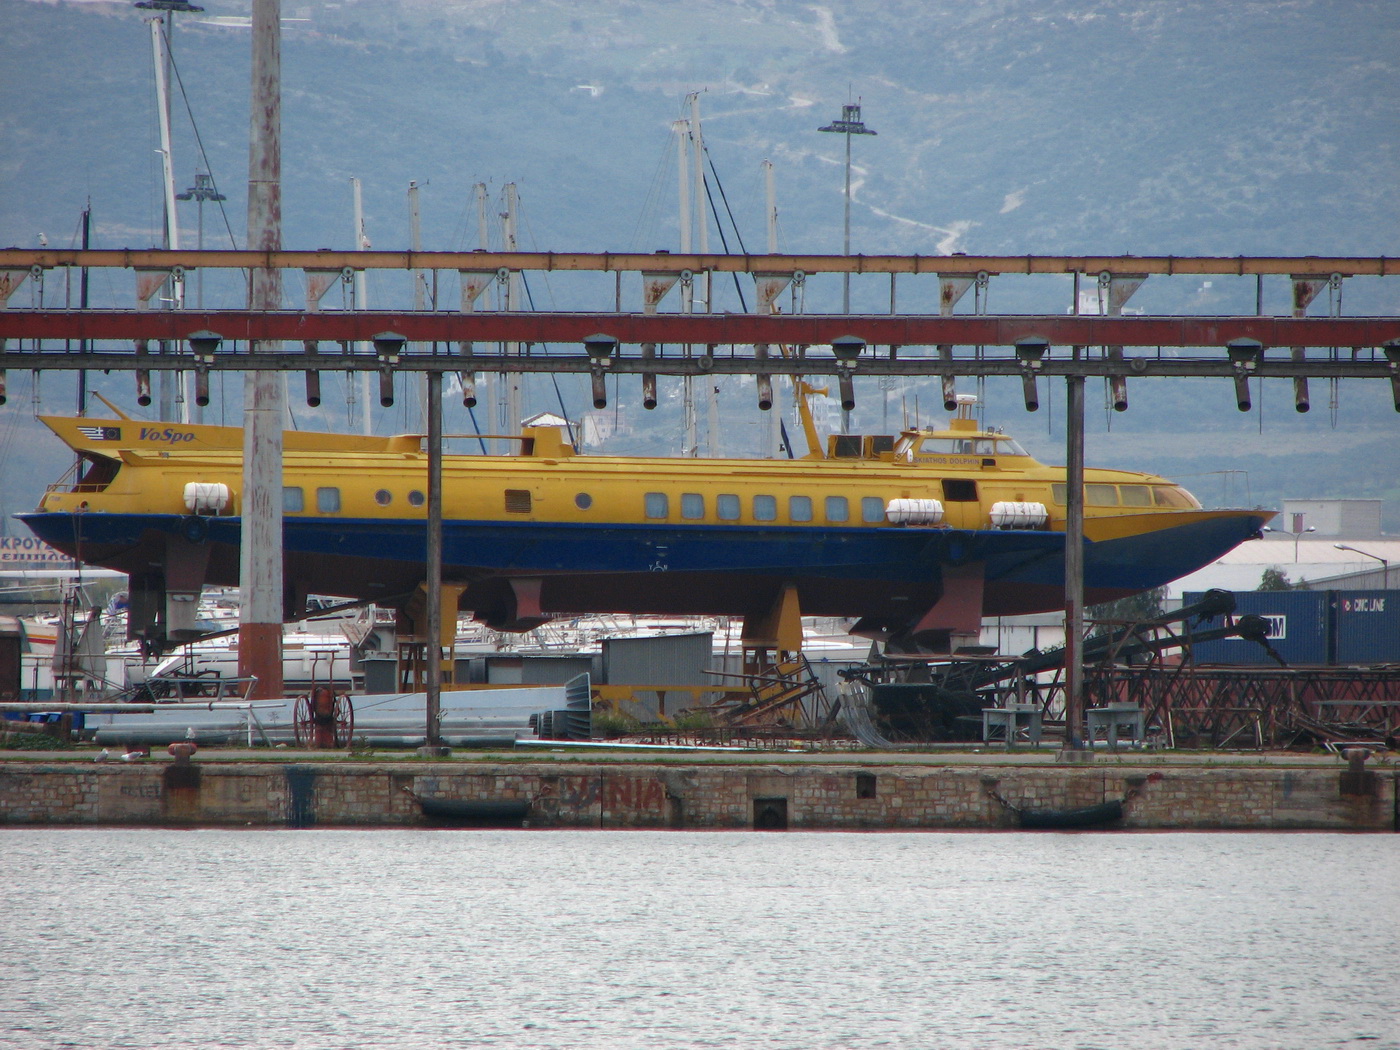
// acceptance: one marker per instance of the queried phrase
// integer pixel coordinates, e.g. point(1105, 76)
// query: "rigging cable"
point(743, 305)
point(218, 197)
point(553, 376)
point(647, 220)
point(199, 141)
point(530, 298)
point(471, 414)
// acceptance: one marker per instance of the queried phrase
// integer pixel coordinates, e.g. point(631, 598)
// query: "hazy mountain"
point(1059, 126)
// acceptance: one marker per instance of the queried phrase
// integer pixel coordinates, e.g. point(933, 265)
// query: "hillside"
point(1148, 126)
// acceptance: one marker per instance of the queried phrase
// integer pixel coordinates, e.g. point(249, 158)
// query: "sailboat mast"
point(702, 224)
point(771, 420)
point(362, 244)
point(83, 303)
point(483, 237)
point(682, 128)
point(512, 406)
point(415, 242)
point(702, 277)
point(171, 228)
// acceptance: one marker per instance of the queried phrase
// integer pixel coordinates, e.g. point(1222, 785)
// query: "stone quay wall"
point(160, 793)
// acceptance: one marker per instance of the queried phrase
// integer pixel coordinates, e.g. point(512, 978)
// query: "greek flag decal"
point(101, 433)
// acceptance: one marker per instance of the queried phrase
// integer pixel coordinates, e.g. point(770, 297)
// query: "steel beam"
point(719, 329)
point(909, 365)
point(665, 262)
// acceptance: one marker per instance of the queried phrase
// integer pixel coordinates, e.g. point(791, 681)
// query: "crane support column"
point(260, 551)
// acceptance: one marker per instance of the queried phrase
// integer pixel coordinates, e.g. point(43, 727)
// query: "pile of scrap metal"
point(782, 696)
point(918, 701)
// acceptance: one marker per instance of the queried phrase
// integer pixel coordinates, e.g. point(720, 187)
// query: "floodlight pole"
point(849, 124)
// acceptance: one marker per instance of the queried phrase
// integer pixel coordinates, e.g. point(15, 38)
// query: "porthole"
point(416, 498)
point(383, 497)
point(583, 501)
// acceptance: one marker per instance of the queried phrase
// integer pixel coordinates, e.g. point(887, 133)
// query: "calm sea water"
point(114, 938)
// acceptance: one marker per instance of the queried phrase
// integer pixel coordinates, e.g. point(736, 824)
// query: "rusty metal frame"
point(1237, 707)
point(896, 343)
point(676, 262)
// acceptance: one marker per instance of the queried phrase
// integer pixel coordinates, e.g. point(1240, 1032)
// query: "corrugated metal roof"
point(1316, 559)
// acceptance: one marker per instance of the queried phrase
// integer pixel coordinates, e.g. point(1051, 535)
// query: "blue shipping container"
point(1367, 627)
point(1299, 629)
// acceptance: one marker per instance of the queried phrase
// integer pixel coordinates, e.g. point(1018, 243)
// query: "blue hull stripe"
point(544, 548)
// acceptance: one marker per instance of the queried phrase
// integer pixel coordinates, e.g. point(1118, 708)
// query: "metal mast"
point(691, 440)
point(202, 190)
point(772, 420)
point(702, 279)
point(513, 407)
point(415, 242)
point(362, 244)
point(483, 235)
point(163, 46)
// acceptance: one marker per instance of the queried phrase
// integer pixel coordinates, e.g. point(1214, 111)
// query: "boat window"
point(583, 501)
point(328, 500)
point(872, 509)
point(657, 505)
point(1172, 496)
point(837, 509)
point(959, 490)
point(946, 446)
point(518, 501)
point(727, 507)
point(1101, 495)
point(799, 508)
point(293, 499)
point(845, 446)
point(1007, 447)
point(765, 508)
point(416, 498)
point(1057, 493)
point(692, 506)
point(383, 497)
point(984, 447)
point(1135, 495)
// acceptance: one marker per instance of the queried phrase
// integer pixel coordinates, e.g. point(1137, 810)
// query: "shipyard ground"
point(929, 789)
